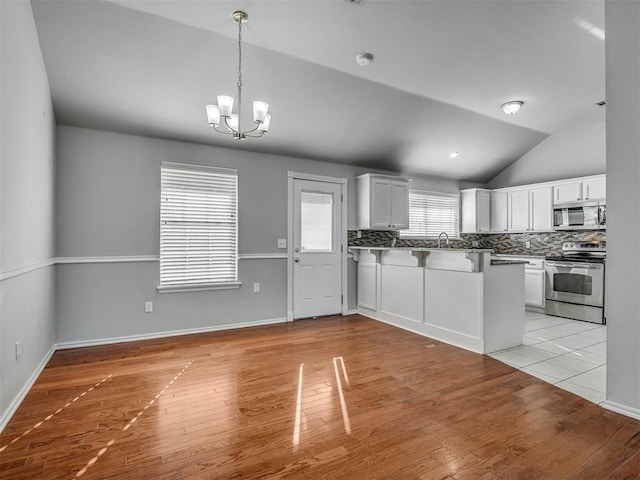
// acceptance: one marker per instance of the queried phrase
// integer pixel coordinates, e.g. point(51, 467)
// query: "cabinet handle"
point(586, 197)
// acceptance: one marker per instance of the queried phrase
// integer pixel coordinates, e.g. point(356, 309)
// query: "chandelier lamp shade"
point(221, 117)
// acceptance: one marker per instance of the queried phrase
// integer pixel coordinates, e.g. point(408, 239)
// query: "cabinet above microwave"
point(592, 189)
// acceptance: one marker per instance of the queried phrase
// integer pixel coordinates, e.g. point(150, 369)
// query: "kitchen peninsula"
point(459, 296)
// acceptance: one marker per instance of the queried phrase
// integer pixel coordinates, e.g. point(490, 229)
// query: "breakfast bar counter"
point(458, 296)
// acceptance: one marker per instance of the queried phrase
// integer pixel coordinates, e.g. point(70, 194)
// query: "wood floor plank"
point(229, 405)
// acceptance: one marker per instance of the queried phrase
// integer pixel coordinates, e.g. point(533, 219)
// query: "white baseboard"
point(622, 409)
point(172, 333)
point(8, 413)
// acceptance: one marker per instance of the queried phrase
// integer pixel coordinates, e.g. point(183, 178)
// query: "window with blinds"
point(198, 227)
point(431, 213)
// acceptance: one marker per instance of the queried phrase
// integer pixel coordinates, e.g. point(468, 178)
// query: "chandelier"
point(223, 110)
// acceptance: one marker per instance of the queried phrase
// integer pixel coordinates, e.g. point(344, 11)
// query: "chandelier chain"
point(240, 53)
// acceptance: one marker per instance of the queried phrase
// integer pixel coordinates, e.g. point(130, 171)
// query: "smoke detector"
point(364, 59)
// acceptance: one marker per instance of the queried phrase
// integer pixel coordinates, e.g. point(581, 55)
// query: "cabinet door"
point(534, 288)
point(541, 209)
point(567, 192)
point(368, 285)
point(380, 205)
point(483, 212)
point(399, 204)
point(518, 210)
point(498, 211)
point(595, 189)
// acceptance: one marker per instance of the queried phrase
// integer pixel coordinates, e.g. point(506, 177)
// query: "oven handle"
point(573, 265)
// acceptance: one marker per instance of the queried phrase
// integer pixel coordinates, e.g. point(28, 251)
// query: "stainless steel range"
point(575, 282)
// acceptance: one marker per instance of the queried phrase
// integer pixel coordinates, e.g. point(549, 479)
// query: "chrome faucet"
point(440, 237)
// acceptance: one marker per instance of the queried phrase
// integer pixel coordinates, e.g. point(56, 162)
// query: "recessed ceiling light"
point(364, 59)
point(512, 107)
point(454, 154)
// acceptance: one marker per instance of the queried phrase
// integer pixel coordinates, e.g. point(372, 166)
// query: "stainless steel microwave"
point(582, 216)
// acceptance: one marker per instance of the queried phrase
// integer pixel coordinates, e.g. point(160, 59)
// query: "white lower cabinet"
point(368, 285)
point(534, 287)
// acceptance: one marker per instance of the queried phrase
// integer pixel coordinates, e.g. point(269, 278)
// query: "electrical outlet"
point(527, 244)
point(474, 244)
point(18, 351)
point(148, 307)
point(358, 234)
point(256, 287)
point(282, 243)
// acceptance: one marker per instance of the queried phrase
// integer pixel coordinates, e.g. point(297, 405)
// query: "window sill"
point(199, 288)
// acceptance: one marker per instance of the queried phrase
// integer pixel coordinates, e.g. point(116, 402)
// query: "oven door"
point(578, 283)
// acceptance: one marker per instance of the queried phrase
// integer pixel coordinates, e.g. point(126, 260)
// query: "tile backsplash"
point(505, 243)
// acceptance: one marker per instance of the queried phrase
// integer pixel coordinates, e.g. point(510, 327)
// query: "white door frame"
point(343, 236)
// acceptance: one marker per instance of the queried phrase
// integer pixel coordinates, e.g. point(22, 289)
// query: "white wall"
point(26, 206)
point(108, 205)
point(623, 199)
point(571, 153)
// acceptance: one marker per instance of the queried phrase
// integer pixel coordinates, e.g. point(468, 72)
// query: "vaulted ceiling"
point(441, 71)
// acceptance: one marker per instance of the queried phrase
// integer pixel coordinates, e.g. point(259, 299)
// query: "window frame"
point(184, 284)
point(405, 234)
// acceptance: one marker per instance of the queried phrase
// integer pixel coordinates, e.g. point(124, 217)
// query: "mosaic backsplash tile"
point(505, 243)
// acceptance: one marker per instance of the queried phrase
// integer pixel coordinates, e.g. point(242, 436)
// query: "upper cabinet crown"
point(583, 190)
point(383, 202)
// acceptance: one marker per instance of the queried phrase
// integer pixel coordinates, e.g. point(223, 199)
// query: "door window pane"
point(316, 222)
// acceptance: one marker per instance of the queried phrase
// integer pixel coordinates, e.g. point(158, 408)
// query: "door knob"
point(297, 249)
point(296, 259)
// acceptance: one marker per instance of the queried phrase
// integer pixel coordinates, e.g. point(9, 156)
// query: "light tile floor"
point(567, 353)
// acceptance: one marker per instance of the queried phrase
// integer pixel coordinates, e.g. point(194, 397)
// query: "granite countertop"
point(505, 261)
point(518, 255)
point(425, 249)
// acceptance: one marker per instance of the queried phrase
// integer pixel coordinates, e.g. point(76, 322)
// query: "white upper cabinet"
point(529, 209)
point(499, 211)
point(518, 210)
point(541, 209)
point(399, 204)
point(476, 210)
point(580, 190)
point(383, 202)
point(567, 192)
point(595, 189)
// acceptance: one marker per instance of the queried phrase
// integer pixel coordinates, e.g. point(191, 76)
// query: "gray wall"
point(571, 153)
point(108, 205)
point(26, 205)
point(623, 199)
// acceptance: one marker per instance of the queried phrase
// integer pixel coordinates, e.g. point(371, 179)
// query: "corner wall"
point(27, 129)
point(622, 20)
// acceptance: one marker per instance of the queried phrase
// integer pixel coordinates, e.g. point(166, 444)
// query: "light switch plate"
point(282, 243)
point(148, 307)
point(527, 244)
point(256, 287)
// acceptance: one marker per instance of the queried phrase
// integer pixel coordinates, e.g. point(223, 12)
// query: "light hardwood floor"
point(331, 398)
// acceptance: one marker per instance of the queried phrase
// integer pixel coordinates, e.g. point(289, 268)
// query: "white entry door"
point(317, 255)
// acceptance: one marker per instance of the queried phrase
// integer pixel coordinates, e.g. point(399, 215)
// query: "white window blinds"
point(431, 213)
point(198, 226)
